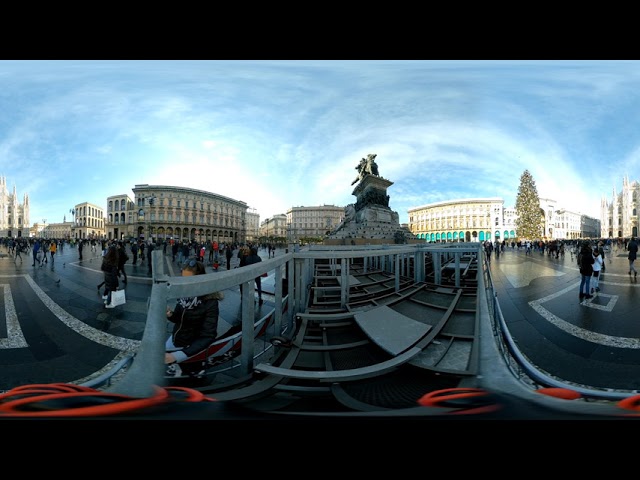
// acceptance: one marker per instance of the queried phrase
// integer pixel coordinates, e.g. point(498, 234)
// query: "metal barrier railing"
point(147, 369)
point(520, 366)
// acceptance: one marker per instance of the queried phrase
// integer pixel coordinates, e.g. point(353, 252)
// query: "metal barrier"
point(147, 368)
point(520, 367)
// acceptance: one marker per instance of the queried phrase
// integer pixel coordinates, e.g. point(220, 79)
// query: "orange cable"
point(440, 398)
point(14, 402)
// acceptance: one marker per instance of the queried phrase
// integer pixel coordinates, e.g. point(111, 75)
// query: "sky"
point(287, 133)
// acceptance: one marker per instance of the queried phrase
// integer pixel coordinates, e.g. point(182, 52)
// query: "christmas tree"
point(529, 223)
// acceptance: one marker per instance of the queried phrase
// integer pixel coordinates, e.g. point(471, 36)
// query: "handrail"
point(147, 369)
point(105, 378)
point(536, 376)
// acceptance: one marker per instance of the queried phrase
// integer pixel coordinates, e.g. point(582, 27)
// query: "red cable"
point(444, 398)
point(30, 400)
point(630, 403)
point(193, 395)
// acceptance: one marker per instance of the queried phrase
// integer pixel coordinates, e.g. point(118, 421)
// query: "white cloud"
point(289, 133)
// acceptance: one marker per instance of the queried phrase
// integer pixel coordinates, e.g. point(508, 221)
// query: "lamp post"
point(142, 213)
point(44, 221)
point(267, 220)
point(72, 211)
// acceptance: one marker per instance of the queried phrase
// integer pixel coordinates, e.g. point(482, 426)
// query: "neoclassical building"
point(88, 222)
point(163, 212)
point(619, 217)
point(14, 216)
point(469, 220)
point(480, 219)
point(313, 221)
point(253, 225)
point(274, 227)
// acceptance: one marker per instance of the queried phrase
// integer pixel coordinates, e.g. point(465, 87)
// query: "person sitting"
point(195, 322)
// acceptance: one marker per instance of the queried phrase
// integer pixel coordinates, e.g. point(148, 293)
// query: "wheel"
point(280, 341)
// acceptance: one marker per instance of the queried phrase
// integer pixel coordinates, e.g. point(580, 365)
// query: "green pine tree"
point(529, 223)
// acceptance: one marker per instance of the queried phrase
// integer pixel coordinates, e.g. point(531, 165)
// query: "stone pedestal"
point(370, 220)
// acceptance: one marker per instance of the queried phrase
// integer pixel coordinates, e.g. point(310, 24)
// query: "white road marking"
point(602, 339)
point(15, 337)
point(82, 328)
point(90, 333)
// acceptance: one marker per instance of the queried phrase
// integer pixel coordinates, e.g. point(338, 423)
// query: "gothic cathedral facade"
point(14, 216)
point(619, 217)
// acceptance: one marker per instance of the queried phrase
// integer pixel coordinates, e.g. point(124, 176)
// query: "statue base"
point(373, 223)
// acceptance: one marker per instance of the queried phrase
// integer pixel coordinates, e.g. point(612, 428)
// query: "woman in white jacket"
point(597, 268)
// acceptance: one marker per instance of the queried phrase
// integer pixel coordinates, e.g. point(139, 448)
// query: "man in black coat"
point(228, 251)
point(252, 258)
point(633, 252)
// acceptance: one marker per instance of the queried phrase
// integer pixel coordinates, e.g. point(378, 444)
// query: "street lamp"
point(72, 211)
point(267, 220)
point(141, 213)
point(44, 221)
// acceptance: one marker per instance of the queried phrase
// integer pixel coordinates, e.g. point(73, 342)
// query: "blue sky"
point(277, 134)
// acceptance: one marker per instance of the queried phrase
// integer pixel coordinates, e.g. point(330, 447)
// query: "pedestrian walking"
point(632, 247)
point(18, 249)
point(44, 249)
point(174, 250)
point(228, 251)
point(488, 248)
point(122, 259)
point(36, 249)
point(52, 250)
point(134, 252)
point(109, 268)
point(183, 253)
point(250, 259)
